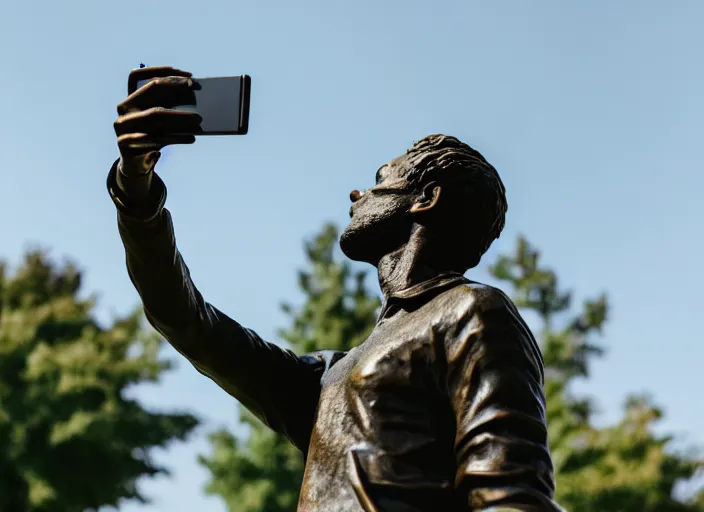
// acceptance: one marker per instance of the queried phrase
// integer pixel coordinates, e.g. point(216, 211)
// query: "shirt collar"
point(434, 284)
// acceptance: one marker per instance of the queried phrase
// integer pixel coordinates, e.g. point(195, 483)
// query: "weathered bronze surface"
point(441, 408)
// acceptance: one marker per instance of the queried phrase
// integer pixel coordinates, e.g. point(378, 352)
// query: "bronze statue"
point(441, 408)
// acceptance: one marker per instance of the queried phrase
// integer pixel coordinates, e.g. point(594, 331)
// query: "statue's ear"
point(428, 199)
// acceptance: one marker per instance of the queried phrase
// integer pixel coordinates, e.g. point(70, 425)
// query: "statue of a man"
point(441, 408)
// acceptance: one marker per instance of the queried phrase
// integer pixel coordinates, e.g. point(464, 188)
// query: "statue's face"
point(381, 220)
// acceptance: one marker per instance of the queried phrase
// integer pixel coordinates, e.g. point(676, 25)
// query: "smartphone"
point(222, 102)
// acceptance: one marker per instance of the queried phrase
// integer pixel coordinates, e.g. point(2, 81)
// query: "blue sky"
point(591, 111)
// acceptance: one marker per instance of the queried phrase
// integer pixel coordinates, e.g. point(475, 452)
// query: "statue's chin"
point(349, 244)
point(368, 240)
point(356, 246)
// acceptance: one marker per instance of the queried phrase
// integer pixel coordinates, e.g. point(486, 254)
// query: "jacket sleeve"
point(279, 387)
point(495, 382)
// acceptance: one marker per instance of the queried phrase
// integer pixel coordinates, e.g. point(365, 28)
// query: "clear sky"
point(592, 112)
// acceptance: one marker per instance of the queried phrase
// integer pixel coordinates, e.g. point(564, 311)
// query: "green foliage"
point(339, 313)
point(264, 475)
point(72, 440)
point(625, 467)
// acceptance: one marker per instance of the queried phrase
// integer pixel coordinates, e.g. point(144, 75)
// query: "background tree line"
point(73, 441)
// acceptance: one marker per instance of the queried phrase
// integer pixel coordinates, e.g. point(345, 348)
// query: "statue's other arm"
point(495, 383)
point(275, 384)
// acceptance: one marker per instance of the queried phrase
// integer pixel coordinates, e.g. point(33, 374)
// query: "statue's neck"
point(406, 266)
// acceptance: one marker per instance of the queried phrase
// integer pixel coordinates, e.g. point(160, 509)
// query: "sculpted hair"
point(473, 184)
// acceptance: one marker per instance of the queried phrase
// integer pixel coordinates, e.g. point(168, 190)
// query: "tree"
point(625, 467)
point(622, 468)
point(72, 440)
point(265, 473)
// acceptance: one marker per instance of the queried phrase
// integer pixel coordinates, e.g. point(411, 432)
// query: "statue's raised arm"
point(278, 386)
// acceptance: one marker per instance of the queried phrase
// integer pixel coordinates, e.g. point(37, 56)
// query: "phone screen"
point(222, 102)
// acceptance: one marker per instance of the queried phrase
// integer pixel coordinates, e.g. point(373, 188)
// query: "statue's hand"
point(148, 122)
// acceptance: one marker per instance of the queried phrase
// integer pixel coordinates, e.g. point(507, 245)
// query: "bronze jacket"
point(440, 409)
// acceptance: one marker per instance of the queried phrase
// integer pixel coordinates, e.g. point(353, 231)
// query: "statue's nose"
point(355, 195)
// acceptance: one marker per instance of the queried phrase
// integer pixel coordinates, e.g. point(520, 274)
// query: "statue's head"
point(440, 184)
